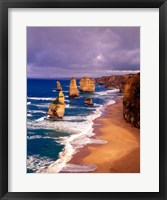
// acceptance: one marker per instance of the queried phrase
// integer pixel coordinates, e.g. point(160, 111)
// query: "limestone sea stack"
point(59, 88)
point(73, 91)
point(87, 84)
point(131, 100)
point(88, 101)
point(57, 107)
point(61, 97)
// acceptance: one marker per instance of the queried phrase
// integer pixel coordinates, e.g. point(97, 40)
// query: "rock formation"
point(129, 85)
point(59, 88)
point(117, 81)
point(61, 97)
point(87, 85)
point(131, 100)
point(88, 101)
point(73, 91)
point(57, 107)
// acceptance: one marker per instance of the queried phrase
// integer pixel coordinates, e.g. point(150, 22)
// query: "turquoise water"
point(55, 142)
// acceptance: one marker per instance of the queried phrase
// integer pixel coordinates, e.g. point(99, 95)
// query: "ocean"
point(55, 142)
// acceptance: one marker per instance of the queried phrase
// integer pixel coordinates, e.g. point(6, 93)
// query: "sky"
point(82, 51)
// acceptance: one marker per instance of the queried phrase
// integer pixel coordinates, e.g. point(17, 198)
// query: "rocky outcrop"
point(57, 107)
point(129, 85)
point(87, 85)
point(73, 91)
point(88, 101)
point(114, 81)
point(59, 88)
point(61, 97)
point(131, 100)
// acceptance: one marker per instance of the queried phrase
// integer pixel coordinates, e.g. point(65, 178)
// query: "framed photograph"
point(83, 94)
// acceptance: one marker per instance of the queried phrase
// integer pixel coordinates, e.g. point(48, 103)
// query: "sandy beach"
point(121, 153)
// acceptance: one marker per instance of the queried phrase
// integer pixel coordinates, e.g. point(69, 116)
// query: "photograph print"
point(83, 99)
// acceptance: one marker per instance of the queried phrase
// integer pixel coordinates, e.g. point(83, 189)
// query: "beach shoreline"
point(121, 153)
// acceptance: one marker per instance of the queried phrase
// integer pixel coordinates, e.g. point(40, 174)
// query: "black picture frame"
point(4, 5)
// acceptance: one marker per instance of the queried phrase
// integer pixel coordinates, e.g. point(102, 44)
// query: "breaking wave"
point(36, 162)
point(79, 129)
point(107, 92)
point(79, 136)
point(42, 98)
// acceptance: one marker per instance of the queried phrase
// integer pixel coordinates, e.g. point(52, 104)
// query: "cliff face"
point(114, 81)
point(131, 100)
point(57, 107)
point(73, 91)
point(129, 85)
point(111, 81)
point(87, 84)
point(59, 88)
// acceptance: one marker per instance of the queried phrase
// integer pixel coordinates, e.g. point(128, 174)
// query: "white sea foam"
point(97, 141)
point(65, 90)
point(30, 132)
point(74, 118)
point(63, 125)
point(80, 136)
point(40, 119)
point(78, 168)
point(96, 104)
point(67, 105)
point(107, 92)
point(82, 140)
point(38, 137)
point(60, 125)
point(28, 103)
point(41, 98)
point(36, 162)
point(34, 137)
point(83, 107)
point(79, 129)
point(29, 115)
point(37, 111)
point(110, 102)
point(45, 105)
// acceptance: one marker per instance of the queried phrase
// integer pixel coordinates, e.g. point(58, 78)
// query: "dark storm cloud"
point(67, 51)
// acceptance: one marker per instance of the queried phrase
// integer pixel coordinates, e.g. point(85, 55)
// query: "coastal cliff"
point(131, 100)
point(57, 107)
point(87, 84)
point(129, 85)
point(73, 91)
point(117, 81)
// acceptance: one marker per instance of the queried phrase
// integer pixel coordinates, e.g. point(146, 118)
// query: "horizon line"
point(52, 78)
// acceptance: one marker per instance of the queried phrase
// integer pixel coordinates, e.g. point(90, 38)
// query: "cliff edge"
point(131, 100)
point(129, 85)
